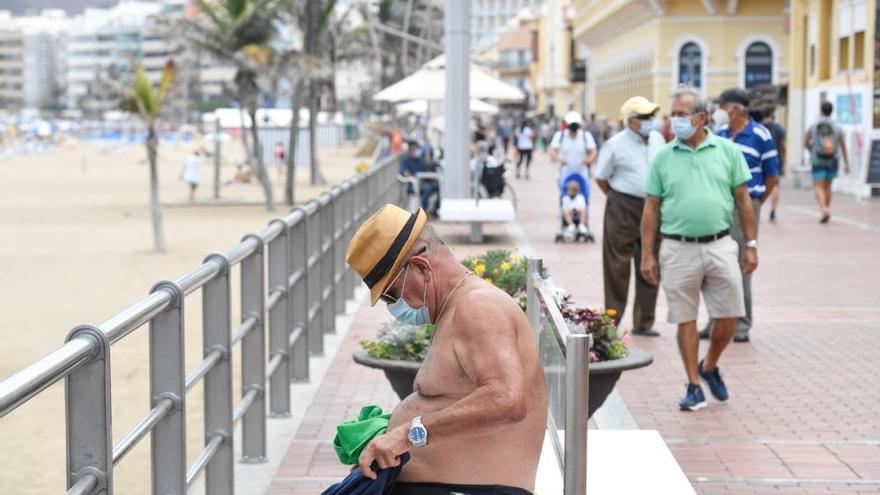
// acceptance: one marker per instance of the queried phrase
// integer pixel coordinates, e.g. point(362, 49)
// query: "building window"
point(843, 53)
point(690, 63)
point(759, 64)
point(859, 49)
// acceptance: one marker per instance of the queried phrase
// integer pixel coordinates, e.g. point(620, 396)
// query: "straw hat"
point(379, 247)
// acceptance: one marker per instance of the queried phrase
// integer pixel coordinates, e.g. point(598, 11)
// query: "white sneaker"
point(568, 233)
point(582, 229)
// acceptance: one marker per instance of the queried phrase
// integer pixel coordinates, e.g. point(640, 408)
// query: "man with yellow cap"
point(475, 423)
point(621, 173)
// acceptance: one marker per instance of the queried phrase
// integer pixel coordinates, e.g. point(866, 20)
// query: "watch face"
point(418, 435)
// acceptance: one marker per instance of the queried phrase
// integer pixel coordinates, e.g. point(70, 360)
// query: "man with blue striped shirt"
point(756, 144)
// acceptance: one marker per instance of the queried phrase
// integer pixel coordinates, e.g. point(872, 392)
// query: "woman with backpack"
point(826, 144)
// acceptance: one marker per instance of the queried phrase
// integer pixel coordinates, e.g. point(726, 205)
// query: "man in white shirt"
point(573, 149)
point(621, 173)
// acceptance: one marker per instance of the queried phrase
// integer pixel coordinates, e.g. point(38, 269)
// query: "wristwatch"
point(752, 244)
point(418, 435)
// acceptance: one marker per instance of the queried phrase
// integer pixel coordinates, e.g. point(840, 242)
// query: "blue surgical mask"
point(404, 313)
point(646, 126)
point(682, 127)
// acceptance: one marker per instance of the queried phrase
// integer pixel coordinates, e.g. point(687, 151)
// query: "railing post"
point(533, 303)
point(279, 332)
point(217, 336)
point(338, 249)
point(313, 282)
point(298, 305)
point(350, 214)
point(88, 411)
point(253, 354)
point(167, 381)
point(577, 395)
point(328, 310)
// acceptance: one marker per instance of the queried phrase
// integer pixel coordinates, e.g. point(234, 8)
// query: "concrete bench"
point(619, 462)
point(476, 213)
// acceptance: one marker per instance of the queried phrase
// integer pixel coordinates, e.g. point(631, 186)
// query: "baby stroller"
point(579, 230)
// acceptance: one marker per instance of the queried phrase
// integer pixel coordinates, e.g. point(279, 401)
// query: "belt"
point(702, 239)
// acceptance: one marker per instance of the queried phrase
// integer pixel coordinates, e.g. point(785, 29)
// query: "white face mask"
point(720, 117)
point(682, 127)
point(646, 126)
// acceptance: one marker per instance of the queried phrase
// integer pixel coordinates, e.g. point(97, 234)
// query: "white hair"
point(701, 105)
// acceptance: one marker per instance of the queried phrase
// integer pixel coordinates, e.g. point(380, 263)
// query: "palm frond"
point(168, 73)
point(143, 95)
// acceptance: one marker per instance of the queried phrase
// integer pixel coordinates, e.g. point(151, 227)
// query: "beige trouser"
point(689, 268)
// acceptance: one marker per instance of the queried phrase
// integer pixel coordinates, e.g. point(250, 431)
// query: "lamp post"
point(457, 44)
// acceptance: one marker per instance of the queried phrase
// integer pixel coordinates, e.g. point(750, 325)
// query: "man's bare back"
point(484, 337)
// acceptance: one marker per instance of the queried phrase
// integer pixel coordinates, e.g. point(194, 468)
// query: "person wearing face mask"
point(621, 171)
point(692, 187)
point(481, 383)
point(573, 149)
point(756, 143)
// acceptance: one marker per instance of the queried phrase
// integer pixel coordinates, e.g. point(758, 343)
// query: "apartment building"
point(488, 17)
point(835, 47)
point(11, 64)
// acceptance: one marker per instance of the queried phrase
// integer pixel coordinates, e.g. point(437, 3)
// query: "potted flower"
point(399, 349)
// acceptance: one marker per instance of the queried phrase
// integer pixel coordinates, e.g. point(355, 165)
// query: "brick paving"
point(804, 413)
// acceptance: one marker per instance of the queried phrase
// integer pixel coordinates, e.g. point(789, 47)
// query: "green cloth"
point(696, 186)
point(352, 436)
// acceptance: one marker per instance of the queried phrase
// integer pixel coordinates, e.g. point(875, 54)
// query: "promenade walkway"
point(804, 413)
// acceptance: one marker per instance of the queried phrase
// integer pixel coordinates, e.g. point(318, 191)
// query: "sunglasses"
point(391, 299)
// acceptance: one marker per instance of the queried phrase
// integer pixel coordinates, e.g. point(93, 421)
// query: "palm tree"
point(148, 102)
point(240, 31)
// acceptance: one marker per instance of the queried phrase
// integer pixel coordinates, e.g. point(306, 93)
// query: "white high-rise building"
point(11, 63)
point(101, 44)
point(43, 72)
point(489, 16)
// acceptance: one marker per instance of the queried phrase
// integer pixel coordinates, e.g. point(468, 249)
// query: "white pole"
point(457, 43)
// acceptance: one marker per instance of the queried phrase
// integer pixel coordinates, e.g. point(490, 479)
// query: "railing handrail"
point(575, 347)
point(296, 301)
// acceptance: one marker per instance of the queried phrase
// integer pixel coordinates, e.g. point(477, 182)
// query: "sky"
point(19, 7)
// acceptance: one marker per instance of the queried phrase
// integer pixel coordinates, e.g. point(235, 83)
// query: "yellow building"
point(639, 47)
point(832, 59)
point(554, 78)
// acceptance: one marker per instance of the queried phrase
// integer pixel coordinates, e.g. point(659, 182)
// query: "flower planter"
point(603, 375)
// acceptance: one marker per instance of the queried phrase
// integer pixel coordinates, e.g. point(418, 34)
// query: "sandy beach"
point(77, 248)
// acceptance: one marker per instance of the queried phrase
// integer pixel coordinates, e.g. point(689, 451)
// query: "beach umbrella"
point(421, 107)
point(429, 83)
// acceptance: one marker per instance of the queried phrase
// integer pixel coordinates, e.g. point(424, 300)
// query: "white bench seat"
point(476, 213)
point(619, 462)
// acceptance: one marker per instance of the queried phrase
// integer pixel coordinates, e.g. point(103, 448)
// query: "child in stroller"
point(573, 203)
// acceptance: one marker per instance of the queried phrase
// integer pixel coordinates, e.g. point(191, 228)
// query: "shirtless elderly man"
point(475, 423)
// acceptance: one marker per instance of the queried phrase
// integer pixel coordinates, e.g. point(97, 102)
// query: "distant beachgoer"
point(525, 143)
point(242, 175)
point(827, 144)
point(279, 157)
point(191, 172)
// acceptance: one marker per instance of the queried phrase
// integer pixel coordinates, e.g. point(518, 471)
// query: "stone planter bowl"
point(603, 375)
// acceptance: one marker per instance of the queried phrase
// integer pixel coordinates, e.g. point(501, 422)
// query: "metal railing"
point(294, 281)
point(566, 360)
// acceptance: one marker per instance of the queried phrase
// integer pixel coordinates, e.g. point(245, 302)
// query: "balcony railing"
point(294, 281)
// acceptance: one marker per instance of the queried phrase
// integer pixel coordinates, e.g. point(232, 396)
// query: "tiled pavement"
point(804, 413)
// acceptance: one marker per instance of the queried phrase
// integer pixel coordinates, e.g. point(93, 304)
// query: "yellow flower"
point(480, 269)
point(515, 257)
point(490, 281)
point(495, 271)
point(611, 312)
point(505, 266)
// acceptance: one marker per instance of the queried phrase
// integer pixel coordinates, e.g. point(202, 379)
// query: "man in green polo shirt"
point(693, 185)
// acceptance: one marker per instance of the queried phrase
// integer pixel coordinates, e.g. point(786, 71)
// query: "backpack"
point(825, 142)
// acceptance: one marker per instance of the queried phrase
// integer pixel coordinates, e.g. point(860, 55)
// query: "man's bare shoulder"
point(486, 304)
